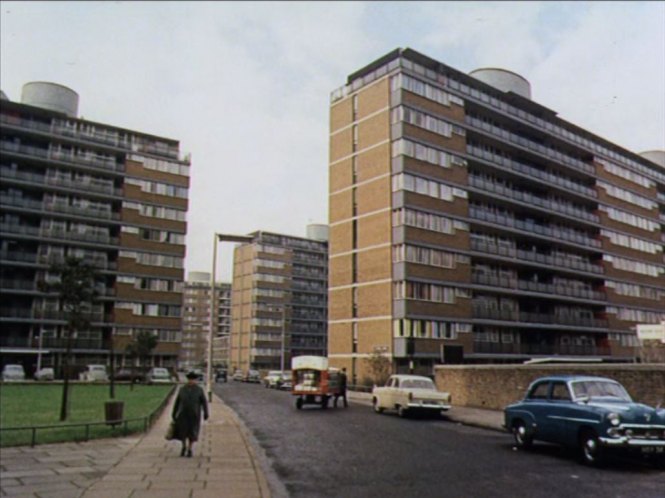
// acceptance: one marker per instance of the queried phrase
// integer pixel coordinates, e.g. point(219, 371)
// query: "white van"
point(94, 373)
point(13, 373)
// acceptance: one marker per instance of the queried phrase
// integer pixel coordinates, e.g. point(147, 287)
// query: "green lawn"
point(25, 405)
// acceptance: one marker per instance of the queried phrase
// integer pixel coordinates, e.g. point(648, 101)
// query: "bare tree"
point(379, 367)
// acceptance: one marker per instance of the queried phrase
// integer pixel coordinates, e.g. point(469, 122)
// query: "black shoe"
point(189, 453)
point(182, 452)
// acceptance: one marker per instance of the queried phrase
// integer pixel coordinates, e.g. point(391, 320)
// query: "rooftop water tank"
point(655, 156)
point(317, 232)
point(51, 96)
point(504, 80)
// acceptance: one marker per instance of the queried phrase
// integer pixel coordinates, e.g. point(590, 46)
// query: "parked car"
point(94, 373)
point(253, 376)
point(158, 375)
point(286, 383)
point(129, 375)
point(44, 374)
point(273, 379)
point(238, 375)
point(221, 375)
point(13, 373)
point(407, 393)
point(593, 414)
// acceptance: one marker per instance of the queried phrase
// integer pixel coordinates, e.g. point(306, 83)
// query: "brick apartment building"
point(114, 197)
point(469, 223)
point(196, 322)
point(279, 301)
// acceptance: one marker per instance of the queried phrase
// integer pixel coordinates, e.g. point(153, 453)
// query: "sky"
point(245, 86)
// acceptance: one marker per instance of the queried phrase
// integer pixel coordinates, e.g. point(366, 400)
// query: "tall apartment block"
point(279, 303)
point(196, 321)
point(468, 223)
point(115, 198)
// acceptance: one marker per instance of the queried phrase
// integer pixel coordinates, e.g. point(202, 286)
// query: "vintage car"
point(94, 373)
point(158, 375)
point(407, 393)
point(593, 414)
point(273, 379)
point(44, 374)
point(13, 373)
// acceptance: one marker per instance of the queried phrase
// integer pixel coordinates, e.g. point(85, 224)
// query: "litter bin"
point(113, 411)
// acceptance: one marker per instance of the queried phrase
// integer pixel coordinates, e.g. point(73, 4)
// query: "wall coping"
point(559, 367)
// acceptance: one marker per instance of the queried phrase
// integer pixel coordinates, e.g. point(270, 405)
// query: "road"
point(354, 452)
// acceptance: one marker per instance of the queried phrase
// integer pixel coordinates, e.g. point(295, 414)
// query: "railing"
point(510, 221)
point(23, 257)
point(530, 171)
point(147, 422)
point(59, 182)
point(544, 318)
point(76, 343)
point(545, 288)
point(537, 257)
point(528, 198)
point(539, 349)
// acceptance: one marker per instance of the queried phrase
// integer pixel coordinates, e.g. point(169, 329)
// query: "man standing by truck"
point(342, 388)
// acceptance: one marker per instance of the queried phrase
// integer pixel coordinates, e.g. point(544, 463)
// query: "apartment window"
point(354, 332)
point(355, 138)
point(354, 169)
point(354, 234)
point(354, 300)
point(634, 266)
point(354, 202)
point(630, 219)
point(354, 267)
point(354, 104)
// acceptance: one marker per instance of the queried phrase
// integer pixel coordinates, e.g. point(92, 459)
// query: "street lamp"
point(281, 360)
point(218, 237)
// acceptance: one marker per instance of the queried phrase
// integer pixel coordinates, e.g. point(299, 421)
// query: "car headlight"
point(614, 418)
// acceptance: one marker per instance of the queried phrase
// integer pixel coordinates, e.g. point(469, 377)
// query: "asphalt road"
point(354, 452)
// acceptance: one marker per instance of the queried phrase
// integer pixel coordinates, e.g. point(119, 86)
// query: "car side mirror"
point(584, 399)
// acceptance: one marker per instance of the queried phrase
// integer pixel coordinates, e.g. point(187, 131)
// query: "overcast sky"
point(245, 86)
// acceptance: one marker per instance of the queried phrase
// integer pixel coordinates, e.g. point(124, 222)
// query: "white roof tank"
point(317, 232)
point(655, 156)
point(51, 96)
point(504, 80)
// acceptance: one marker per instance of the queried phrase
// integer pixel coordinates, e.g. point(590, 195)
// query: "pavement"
point(227, 462)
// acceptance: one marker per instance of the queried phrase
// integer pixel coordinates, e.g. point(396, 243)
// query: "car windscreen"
point(599, 389)
point(417, 384)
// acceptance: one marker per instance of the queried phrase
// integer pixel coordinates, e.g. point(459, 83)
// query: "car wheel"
point(591, 450)
point(521, 435)
point(401, 411)
point(377, 408)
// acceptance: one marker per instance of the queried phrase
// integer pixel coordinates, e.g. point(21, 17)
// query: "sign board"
point(309, 362)
point(651, 332)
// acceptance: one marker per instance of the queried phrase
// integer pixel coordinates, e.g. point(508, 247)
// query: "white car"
point(158, 375)
point(13, 373)
point(406, 393)
point(45, 374)
point(94, 373)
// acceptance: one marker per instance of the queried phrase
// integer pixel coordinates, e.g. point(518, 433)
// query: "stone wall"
point(495, 386)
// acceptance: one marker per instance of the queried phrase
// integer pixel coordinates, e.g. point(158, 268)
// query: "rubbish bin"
point(113, 411)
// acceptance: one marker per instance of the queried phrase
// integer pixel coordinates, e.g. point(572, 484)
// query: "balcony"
point(58, 233)
point(539, 349)
point(536, 257)
point(526, 197)
point(541, 318)
point(539, 287)
point(547, 152)
point(97, 187)
point(530, 171)
point(76, 343)
point(527, 226)
point(36, 205)
point(22, 257)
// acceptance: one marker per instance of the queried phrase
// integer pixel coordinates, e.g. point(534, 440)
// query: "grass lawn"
point(25, 405)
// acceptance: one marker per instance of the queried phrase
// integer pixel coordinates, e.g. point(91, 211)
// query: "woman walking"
point(187, 413)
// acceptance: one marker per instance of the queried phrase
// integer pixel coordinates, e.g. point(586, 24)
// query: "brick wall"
point(495, 386)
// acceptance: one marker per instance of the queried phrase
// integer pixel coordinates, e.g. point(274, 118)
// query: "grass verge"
point(27, 405)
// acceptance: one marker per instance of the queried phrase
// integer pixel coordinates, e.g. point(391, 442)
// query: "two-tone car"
point(409, 393)
point(592, 414)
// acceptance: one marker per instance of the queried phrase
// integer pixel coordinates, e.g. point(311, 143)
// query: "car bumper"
point(626, 442)
point(418, 405)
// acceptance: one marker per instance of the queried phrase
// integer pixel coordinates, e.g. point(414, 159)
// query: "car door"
point(537, 403)
point(559, 413)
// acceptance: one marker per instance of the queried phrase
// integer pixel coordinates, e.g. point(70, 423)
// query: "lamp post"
point(218, 237)
point(281, 358)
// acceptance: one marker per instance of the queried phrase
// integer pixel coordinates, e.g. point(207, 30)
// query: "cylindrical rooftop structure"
point(504, 80)
point(317, 232)
point(198, 277)
point(51, 96)
point(655, 156)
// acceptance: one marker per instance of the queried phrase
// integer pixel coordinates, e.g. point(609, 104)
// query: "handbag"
point(170, 432)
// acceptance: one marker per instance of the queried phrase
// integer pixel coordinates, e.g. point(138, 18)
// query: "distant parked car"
point(286, 383)
point(94, 373)
point(238, 375)
point(221, 375)
point(44, 374)
point(129, 375)
point(13, 373)
point(158, 375)
point(409, 393)
point(272, 380)
point(253, 376)
point(592, 414)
